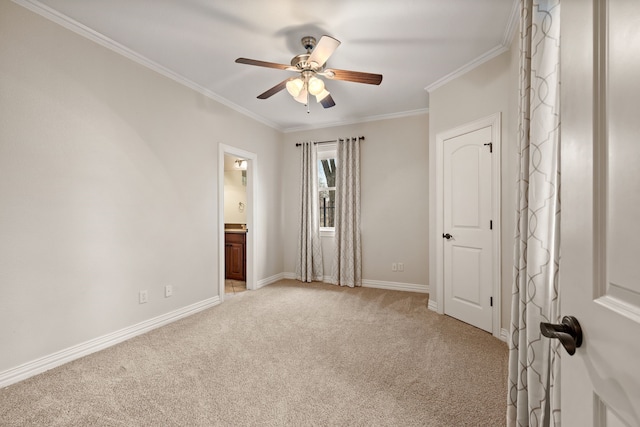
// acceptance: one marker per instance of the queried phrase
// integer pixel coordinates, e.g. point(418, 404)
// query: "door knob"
point(447, 236)
point(568, 332)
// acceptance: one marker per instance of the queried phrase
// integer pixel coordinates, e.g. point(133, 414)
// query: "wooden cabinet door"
point(235, 260)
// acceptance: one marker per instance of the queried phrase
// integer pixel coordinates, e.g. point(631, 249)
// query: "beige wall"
point(490, 88)
point(108, 185)
point(394, 197)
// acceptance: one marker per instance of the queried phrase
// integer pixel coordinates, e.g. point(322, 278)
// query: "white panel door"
point(468, 251)
point(600, 229)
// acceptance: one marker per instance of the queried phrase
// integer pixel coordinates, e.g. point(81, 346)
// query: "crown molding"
point(505, 45)
point(361, 120)
point(512, 25)
point(467, 67)
point(88, 33)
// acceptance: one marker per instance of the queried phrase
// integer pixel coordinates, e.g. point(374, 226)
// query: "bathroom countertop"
point(235, 230)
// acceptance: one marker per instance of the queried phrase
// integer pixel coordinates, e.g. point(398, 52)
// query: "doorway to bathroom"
point(237, 205)
point(235, 224)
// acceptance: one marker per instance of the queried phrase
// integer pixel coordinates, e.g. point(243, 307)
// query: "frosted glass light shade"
point(322, 95)
point(302, 97)
point(316, 85)
point(294, 87)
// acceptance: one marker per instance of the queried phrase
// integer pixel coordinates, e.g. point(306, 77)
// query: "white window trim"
point(327, 232)
point(327, 151)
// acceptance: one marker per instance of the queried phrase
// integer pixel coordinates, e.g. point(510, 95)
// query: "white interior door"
point(467, 237)
point(600, 229)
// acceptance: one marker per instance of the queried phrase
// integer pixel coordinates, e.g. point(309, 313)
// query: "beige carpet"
point(288, 354)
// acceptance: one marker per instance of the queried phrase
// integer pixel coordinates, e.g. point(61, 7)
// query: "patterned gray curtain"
point(534, 361)
point(347, 260)
point(309, 253)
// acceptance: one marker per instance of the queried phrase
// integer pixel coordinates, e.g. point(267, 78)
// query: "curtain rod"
point(326, 142)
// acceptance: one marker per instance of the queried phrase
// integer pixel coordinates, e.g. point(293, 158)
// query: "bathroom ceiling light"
point(241, 164)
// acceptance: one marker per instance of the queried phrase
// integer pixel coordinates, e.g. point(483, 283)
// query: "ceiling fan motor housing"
point(308, 43)
point(301, 62)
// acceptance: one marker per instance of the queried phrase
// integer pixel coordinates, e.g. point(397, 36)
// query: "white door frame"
point(495, 123)
point(251, 210)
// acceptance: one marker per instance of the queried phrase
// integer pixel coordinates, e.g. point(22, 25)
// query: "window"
point(327, 186)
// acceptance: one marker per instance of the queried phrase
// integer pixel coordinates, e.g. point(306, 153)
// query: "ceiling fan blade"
point(327, 102)
point(277, 88)
point(353, 76)
point(323, 50)
point(265, 64)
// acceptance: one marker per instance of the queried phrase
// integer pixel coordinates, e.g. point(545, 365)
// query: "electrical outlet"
point(394, 266)
point(143, 297)
point(401, 266)
point(168, 291)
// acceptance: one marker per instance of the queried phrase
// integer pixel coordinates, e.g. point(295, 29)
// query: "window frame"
point(327, 151)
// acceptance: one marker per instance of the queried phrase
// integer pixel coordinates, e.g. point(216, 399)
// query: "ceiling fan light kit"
point(322, 95)
point(303, 97)
point(311, 66)
point(315, 86)
point(294, 87)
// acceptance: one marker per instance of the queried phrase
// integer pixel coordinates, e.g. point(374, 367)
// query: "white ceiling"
point(414, 44)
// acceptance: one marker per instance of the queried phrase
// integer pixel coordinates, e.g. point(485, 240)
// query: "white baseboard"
point(433, 305)
point(396, 286)
point(61, 357)
point(269, 280)
point(504, 335)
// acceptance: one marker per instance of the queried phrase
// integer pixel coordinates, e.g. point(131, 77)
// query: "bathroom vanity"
point(235, 253)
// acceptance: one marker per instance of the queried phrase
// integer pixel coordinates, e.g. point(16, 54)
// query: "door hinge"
point(490, 224)
point(491, 301)
point(490, 144)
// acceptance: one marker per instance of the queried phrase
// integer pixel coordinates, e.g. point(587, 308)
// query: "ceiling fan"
point(311, 66)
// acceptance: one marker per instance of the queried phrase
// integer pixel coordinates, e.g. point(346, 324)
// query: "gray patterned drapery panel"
point(534, 361)
point(347, 259)
point(309, 253)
